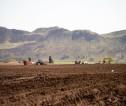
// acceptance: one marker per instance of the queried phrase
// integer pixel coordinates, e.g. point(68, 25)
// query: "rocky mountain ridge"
point(61, 44)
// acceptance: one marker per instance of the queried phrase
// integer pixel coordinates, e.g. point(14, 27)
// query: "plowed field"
point(63, 85)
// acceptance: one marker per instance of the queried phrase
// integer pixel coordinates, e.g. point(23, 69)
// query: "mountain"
point(115, 34)
point(61, 44)
point(119, 35)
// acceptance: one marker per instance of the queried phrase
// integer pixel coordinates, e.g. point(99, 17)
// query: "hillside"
point(61, 44)
point(119, 35)
point(115, 34)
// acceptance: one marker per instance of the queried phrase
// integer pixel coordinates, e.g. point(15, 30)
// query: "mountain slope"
point(115, 34)
point(119, 35)
point(60, 43)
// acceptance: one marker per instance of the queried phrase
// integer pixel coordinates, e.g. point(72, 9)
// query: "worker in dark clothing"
point(40, 62)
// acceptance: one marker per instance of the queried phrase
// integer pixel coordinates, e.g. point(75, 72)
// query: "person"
point(29, 59)
point(25, 62)
point(39, 62)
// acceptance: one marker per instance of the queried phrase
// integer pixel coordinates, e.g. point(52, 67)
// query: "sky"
point(100, 16)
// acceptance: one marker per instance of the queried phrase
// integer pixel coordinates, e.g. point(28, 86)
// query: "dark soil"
point(63, 85)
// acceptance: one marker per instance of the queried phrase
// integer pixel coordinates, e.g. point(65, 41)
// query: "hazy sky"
point(101, 16)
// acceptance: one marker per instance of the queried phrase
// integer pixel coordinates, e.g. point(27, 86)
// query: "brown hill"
point(59, 43)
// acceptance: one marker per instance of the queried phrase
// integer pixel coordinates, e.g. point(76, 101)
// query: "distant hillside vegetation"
point(61, 44)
